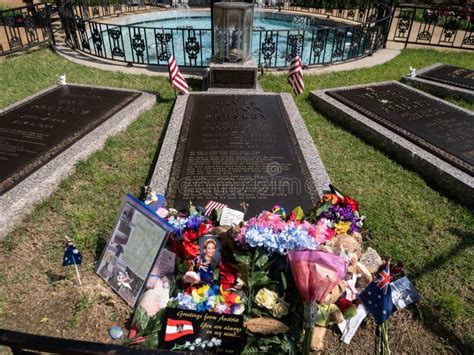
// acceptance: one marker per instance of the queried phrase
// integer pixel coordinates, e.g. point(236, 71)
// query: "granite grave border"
point(436, 88)
point(17, 202)
point(442, 175)
point(162, 172)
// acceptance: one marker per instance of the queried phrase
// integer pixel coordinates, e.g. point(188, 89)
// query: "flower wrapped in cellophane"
point(316, 273)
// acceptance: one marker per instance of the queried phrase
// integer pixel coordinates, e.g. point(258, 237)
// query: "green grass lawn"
point(406, 218)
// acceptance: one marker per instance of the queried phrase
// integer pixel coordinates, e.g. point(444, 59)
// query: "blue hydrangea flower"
point(194, 221)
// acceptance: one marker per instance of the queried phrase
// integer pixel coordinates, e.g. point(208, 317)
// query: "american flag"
point(295, 75)
point(212, 205)
point(176, 78)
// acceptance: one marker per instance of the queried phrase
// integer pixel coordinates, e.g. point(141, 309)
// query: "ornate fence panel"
point(451, 27)
point(25, 27)
point(191, 47)
point(320, 46)
point(356, 10)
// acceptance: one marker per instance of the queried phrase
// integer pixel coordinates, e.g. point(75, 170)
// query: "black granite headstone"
point(36, 131)
point(437, 127)
point(241, 151)
point(239, 79)
point(448, 74)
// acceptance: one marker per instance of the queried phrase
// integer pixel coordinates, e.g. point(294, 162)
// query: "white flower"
point(187, 344)
point(213, 340)
point(192, 348)
point(203, 345)
point(197, 341)
point(218, 342)
point(266, 298)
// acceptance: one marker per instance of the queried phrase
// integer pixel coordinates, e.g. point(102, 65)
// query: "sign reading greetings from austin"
point(239, 149)
point(33, 133)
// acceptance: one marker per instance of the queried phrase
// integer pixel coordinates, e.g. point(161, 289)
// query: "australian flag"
point(72, 255)
point(377, 297)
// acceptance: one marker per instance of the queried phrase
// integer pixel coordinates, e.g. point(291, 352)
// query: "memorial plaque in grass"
point(448, 74)
point(239, 150)
point(33, 133)
point(437, 127)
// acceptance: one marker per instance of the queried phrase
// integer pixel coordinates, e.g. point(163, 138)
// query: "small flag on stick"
point(377, 297)
point(176, 78)
point(295, 75)
point(72, 256)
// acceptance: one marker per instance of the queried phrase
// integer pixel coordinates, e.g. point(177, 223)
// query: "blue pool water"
point(182, 25)
point(203, 21)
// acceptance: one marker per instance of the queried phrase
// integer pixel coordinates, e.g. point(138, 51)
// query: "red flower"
point(293, 216)
point(351, 202)
point(191, 250)
point(343, 304)
point(228, 275)
point(190, 235)
point(204, 229)
point(229, 298)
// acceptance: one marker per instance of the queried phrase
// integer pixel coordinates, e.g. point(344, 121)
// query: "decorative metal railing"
point(25, 27)
point(91, 9)
point(450, 26)
point(30, 26)
point(356, 10)
point(192, 47)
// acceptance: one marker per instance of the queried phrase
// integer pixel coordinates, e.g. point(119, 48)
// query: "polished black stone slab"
point(244, 79)
point(33, 133)
point(437, 127)
point(448, 74)
point(239, 150)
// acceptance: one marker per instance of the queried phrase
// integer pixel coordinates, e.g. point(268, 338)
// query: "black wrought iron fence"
point(191, 47)
point(31, 26)
point(356, 10)
point(433, 26)
point(91, 9)
point(24, 27)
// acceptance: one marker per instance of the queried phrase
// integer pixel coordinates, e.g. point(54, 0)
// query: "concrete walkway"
point(380, 57)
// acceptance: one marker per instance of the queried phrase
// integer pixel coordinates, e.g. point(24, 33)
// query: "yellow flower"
point(280, 310)
point(342, 227)
point(203, 290)
point(266, 298)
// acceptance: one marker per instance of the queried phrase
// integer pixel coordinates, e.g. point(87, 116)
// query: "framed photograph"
point(210, 248)
point(138, 237)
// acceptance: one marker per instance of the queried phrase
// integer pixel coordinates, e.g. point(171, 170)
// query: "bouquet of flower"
point(316, 274)
point(274, 259)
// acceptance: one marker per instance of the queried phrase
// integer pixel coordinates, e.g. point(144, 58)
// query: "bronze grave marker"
point(33, 133)
point(448, 74)
point(239, 150)
point(439, 128)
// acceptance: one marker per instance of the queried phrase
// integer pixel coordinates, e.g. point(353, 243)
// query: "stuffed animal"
point(328, 313)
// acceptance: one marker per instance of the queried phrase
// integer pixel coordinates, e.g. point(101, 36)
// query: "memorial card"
point(187, 330)
point(403, 293)
point(230, 217)
point(137, 239)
